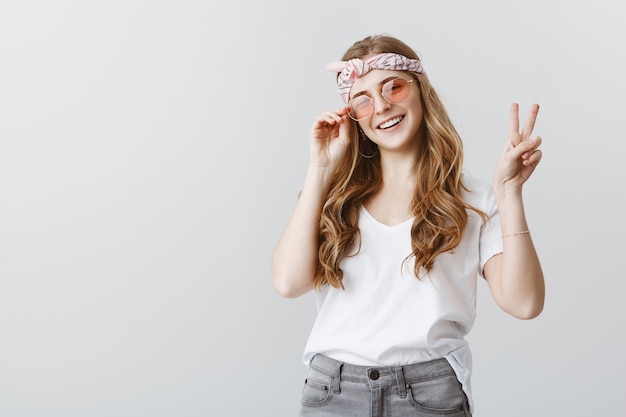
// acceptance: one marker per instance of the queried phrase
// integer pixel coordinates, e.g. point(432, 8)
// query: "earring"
point(365, 140)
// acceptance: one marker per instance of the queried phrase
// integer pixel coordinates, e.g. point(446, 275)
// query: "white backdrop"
point(151, 153)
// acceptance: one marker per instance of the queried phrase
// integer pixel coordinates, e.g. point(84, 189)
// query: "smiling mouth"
point(391, 123)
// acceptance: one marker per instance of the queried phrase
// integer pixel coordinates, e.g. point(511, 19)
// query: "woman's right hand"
point(329, 138)
point(295, 258)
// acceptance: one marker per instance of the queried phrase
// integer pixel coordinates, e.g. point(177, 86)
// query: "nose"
point(380, 103)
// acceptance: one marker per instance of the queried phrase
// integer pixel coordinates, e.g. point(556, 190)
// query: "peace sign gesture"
point(521, 155)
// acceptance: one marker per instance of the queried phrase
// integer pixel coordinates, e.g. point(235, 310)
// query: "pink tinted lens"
point(396, 90)
point(360, 107)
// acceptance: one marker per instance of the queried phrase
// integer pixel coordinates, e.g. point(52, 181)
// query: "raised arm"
point(295, 257)
point(515, 276)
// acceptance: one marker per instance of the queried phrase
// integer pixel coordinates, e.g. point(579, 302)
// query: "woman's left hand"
point(521, 154)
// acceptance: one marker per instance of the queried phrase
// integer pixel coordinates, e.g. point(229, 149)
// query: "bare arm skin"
point(515, 276)
point(295, 257)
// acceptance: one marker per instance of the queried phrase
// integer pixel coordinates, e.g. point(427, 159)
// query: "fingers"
point(514, 123)
point(524, 150)
point(533, 154)
point(329, 125)
point(534, 158)
point(530, 121)
point(334, 116)
point(515, 136)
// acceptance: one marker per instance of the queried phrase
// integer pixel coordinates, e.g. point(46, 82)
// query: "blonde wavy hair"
point(440, 213)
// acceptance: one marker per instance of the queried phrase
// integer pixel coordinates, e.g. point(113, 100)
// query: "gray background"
point(151, 153)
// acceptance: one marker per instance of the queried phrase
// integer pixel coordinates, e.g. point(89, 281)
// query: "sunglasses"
point(394, 91)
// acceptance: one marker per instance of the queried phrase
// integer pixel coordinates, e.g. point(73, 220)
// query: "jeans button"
point(374, 374)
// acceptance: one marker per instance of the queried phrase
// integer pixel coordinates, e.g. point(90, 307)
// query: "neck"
point(398, 168)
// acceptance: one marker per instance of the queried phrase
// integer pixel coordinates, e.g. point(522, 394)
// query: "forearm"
point(295, 257)
point(521, 285)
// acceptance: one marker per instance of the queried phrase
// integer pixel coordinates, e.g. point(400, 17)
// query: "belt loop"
point(336, 378)
point(400, 381)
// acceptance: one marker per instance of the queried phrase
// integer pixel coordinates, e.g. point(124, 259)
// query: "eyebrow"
point(380, 84)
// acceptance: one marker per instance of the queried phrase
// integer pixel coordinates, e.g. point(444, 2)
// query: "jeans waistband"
point(377, 376)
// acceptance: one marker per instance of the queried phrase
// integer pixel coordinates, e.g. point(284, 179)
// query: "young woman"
point(393, 235)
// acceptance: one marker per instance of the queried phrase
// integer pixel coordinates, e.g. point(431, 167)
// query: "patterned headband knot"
point(354, 68)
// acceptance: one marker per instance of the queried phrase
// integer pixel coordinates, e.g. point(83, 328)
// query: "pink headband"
point(354, 68)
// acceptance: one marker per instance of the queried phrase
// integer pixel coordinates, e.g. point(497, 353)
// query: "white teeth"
point(390, 123)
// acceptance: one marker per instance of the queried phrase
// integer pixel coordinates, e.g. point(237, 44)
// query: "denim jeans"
point(427, 389)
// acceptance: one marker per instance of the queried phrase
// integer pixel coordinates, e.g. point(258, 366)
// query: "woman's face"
point(393, 126)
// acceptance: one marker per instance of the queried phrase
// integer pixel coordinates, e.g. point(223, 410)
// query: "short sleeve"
point(490, 233)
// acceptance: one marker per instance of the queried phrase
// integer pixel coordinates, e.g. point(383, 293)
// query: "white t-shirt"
point(386, 316)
